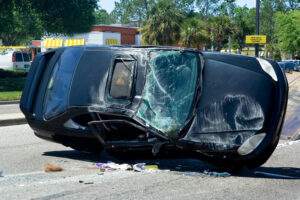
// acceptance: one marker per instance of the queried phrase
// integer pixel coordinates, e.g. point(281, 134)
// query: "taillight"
point(13, 59)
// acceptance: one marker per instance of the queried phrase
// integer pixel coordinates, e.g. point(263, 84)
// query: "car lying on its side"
point(14, 60)
point(228, 109)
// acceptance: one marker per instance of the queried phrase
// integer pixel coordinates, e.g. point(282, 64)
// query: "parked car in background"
point(288, 66)
point(227, 109)
point(296, 64)
point(14, 60)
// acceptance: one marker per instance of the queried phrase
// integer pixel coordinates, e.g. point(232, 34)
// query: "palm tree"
point(220, 28)
point(164, 24)
point(193, 33)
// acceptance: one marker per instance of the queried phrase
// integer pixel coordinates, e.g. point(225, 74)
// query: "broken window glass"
point(121, 84)
point(169, 90)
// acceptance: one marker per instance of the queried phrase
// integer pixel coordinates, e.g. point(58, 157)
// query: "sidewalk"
point(12, 119)
point(11, 114)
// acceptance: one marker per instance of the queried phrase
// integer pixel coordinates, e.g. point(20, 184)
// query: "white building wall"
point(90, 38)
point(94, 38)
point(112, 36)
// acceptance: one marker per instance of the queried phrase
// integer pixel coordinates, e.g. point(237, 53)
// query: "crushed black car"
point(228, 109)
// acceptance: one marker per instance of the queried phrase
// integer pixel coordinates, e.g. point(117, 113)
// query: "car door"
point(26, 63)
point(18, 62)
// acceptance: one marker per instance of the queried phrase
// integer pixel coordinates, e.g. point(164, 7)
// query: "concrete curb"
point(9, 102)
point(12, 119)
point(12, 122)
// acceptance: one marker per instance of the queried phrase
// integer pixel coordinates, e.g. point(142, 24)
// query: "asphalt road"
point(23, 156)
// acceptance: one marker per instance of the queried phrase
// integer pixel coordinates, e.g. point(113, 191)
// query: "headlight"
point(251, 144)
point(268, 68)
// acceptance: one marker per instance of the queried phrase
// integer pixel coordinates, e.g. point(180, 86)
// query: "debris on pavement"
point(142, 167)
point(216, 174)
point(52, 168)
point(111, 166)
point(139, 167)
point(153, 167)
point(271, 175)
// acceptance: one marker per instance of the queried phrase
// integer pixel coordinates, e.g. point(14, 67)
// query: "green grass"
point(11, 95)
point(12, 84)
point(11, 88)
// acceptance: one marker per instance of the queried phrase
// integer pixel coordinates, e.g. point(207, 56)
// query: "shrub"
point(13, 73)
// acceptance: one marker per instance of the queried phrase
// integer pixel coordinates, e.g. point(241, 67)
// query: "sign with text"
point(256, 39)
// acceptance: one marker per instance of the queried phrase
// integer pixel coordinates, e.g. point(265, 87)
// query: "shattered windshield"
point(169, 90)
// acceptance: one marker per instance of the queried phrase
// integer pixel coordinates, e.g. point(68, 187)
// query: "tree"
point(267, 16)
point(193, 33)
point(164, 24)
point(65, 16)
point(127, 11)
point(288, 31)
point(102, 17)
point(245, 20)
point(23, 20)
point(186, 6)
point(220, 27)
point(16, 25)
point(207, 7)
point(227, 7)
point(293, 4)
point(267, 22)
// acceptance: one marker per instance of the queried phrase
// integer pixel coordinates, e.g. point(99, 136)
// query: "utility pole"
point(257, 26)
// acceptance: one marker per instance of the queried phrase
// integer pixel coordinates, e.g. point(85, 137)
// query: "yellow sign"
point(74, 42)
point(112, 41)
point(256, 39)
point(53, 43)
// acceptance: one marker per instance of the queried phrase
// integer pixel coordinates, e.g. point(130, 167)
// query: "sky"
point(109, 5)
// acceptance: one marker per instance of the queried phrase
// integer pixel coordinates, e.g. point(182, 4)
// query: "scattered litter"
point(80, 181)
point(100, 164)
point(271, 175)
point(125, 167)
point(153, 167)
point(101, 173)
point(111, 166)
point(52, 168)
point(139, 167)
point(216, 174)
